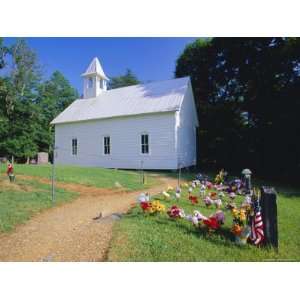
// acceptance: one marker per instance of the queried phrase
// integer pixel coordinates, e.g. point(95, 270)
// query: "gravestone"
point(269, 215)
point(42, 158)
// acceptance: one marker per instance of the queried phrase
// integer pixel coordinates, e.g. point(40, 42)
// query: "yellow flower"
point(157, 207)
point(242, 215)
point(235, 212)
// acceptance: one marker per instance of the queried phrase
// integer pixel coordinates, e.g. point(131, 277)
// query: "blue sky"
point(149, 58)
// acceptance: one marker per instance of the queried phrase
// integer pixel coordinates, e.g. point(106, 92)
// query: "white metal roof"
point(161, 96)
point(95, 68)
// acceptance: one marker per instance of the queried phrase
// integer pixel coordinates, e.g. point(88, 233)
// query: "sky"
point(150, 59)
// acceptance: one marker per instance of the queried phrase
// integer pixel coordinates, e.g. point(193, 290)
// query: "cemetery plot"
point(207, 224)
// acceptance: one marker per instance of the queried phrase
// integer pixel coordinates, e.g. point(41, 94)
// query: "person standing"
point(10, 172)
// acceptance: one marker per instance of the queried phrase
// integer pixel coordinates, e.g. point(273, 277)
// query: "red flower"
point(209, 185)
point(145, 205)
point(212, 223)
point(193, 199)
point(174, 212)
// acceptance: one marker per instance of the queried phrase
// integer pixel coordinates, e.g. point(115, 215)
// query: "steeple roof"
point(95, 68)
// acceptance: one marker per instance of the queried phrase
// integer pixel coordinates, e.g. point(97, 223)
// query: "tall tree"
point(54, 96)
point(256, 78)
point(19, 96)
point(3, 91)
point(124, 80)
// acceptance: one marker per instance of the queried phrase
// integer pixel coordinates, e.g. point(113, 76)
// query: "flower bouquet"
point(166, 195)
point(175, 212)
point(196, 218)
point(193, 199)
point(214, 221)
point(220, 177)
point(208, 201)
point(240, 229)
point(152, 207)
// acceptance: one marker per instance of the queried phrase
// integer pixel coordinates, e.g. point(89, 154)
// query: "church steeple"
point(94, 80)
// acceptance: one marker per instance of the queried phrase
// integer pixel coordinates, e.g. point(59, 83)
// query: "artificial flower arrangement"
point(176, 212)
point(240, 227)
point(212, 199)
point(212, 223)
point(178, 193)
point(148, 206)
point(209, 185)
point(193, 199)
point(212, 194)
point(152, 207)
point(220, 177)
point(166, 195)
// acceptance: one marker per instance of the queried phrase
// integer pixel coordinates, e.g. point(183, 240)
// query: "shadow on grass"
point(222, 236)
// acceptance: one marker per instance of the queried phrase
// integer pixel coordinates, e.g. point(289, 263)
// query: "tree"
point(3, 92)
point(26, 105)
point(253, 77)
point(125, 80)
point(17, 96)
point(54, 96)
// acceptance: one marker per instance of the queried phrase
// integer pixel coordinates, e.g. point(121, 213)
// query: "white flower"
point(199, 216)
point(195, 220)
point(182, 214)
point(218, 202)
point(221, 195)
point(141, 198)
point(232, 195)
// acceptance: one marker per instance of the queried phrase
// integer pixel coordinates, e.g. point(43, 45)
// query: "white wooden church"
point(149, 125)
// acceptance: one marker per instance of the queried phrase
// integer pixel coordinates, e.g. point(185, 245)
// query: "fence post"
point(269, 215)
point(179, 174)
point(142, 172)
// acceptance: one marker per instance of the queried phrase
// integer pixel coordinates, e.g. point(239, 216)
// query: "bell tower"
point(94, 80)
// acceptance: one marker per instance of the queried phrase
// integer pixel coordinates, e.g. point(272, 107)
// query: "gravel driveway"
point(72, 231)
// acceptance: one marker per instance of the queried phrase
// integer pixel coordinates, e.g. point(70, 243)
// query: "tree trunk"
point(27, 161)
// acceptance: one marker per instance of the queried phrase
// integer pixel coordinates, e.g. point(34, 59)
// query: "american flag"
point(257, 226)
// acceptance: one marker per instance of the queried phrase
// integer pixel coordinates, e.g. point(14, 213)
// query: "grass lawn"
point(102, 178)
point(158, 238)
point(20, 200)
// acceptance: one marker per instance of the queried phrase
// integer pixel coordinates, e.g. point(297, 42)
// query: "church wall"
point(125, 135)
point(186, 131)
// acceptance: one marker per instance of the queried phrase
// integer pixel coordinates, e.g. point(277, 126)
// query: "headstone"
point(42, 158)
point(269, 215)
point(3, 160)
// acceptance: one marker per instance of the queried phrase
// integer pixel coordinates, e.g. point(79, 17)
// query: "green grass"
point(102, 178)
point(158, 238)
point(23, 199)
point(20, 201)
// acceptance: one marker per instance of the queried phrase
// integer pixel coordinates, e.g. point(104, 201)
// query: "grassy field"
point(21, 200)
point(102, 178)
point(158, 238)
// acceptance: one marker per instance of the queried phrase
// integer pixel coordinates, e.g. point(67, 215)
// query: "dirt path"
point(68, 232)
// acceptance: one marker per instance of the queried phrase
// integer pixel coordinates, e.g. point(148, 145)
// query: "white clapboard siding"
point(125, 135)
point(187, 122)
